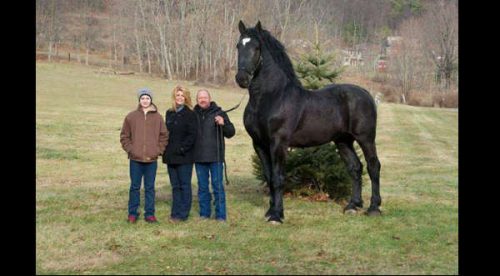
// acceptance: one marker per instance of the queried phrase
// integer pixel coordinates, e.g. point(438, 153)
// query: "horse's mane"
point(278, 53)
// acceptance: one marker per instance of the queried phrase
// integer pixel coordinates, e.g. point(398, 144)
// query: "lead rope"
point(218, 171)
point(236, 106)
point(222, 137)
point(223, 150)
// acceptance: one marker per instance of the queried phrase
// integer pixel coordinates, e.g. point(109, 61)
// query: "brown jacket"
point(144, 135)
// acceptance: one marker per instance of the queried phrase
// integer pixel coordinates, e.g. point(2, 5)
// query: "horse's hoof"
point(273, 222)
point(350, 212)
point(270, 212)
point(373, 213)
point(267, 215)
point(268, 218)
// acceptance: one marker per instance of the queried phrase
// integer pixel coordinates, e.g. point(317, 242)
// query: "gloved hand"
point(180, 151)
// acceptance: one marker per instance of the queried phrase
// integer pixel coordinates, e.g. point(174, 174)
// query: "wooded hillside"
point(410, 45)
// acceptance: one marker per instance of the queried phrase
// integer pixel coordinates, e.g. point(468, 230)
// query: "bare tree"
point(50, 25)
point(147, 37)
point(42, 17)
point(407, 59)
point(441, 39)
point(161, 20)
point(138, 39)
point(229, 42)
point(196, 39)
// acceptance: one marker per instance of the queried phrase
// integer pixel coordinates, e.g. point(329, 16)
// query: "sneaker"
point(132, 218)
point(221, 220)
point(151, 219)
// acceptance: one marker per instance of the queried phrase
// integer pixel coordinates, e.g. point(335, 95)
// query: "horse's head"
point(249, 54)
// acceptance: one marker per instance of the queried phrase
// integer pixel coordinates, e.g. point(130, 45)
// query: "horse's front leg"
point(278, 156)
point(265, 159)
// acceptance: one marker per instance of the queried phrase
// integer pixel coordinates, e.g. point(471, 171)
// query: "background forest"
point(405, 51)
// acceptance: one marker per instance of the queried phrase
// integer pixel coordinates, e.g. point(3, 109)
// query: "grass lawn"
point(82, 184)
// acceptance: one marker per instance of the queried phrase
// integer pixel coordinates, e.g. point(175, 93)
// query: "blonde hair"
point(187, 97)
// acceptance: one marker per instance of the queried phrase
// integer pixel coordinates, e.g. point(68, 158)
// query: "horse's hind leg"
point(373, 165)
point(354, 166)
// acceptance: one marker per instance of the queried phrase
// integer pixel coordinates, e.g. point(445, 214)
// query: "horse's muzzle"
point(242, 78)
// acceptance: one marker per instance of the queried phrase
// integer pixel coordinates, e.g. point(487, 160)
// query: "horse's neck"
point(269, 86)
point(270, 78)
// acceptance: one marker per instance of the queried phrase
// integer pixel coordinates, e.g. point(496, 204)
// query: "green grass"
point(82, 186)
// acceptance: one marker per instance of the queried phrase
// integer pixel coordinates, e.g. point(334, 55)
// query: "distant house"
point(381, 65)
point(390, 45)
point(352, 57)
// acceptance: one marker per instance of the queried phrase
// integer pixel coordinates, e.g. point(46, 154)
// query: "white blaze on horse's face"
point(245, 40)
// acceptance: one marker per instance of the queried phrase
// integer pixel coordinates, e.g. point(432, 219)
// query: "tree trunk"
point(50, 51)
point(209, 62)
point(215, 71)
point(123, 55)
point(229, 46)
point(167, 63)
point(149, 59)
point(196, 66)
point(87, 57)
point(114, 47)
point(137, 42)
point(176, 59)
point(163, 48)
point(146, 35)
point(139, 55)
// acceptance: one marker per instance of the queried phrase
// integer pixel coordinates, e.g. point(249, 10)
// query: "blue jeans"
point(137, 171)
point(180, 179)
point(204, 197)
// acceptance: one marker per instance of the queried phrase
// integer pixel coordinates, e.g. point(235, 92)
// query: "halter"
point(257, 67)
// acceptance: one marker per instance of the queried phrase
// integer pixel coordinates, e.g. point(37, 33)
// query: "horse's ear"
point(242, 27)
point(258, 26)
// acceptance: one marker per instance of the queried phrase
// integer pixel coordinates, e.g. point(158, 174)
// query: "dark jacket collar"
point(212, 108)
point(183, 110)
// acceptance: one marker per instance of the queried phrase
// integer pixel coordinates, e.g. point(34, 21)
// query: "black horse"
point(281, 113)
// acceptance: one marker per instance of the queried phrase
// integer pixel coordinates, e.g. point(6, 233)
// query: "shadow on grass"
point(241, 188)
point(247, 189)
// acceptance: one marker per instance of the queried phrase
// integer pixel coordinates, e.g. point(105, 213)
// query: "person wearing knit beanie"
point(145, 91)
point(143, 137)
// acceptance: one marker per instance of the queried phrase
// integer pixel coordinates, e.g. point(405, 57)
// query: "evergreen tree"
point(316, 68)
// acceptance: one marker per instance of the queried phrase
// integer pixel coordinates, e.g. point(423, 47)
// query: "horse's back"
point(356, 98)
point(347, 92)
point(340, 109)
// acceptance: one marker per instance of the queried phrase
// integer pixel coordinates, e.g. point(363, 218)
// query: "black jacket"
point(209, 133)
point(182, 127)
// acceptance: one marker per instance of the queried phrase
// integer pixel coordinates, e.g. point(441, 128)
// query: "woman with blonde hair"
point(182, 126)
